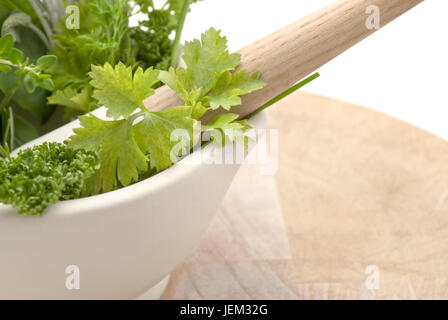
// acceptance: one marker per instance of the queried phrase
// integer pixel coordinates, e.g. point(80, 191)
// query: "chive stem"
point(284, 94)
point(11, 129)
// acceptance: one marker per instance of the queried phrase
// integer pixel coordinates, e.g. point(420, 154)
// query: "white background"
point(402, 70)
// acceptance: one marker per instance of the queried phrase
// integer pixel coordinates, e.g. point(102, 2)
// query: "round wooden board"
point(358, 209)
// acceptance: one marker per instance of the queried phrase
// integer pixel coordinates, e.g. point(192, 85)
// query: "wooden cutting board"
point(358, 209)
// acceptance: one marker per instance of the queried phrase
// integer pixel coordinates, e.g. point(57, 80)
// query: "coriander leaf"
point(119, 155)
point(77, 102)
point(198, 110)
point(230, 129)
point(210, 80)
point(179, 81)
point(207, 58)
point(44, 174)
point(227, 91)
point(153, 134)
point(119, 90)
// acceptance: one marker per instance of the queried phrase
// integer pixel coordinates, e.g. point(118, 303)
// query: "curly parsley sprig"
point(44, 174)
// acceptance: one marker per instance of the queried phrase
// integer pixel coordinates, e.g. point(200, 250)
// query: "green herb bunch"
point(39, 28)
point(102, 37)
point(134, 142)
point(26, 74)
point(138, 140)
point(105, 36)
point(44, 174)
point(152, 35)
point(24, 86)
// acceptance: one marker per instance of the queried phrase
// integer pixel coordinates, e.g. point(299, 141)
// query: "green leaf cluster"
point(43, 175)
point(211, 81)
point(28, 75)
point(13, 59)
point(133, 143)
point(105, 36)
point(136, 140)
point(152, 35)
point(30, 24)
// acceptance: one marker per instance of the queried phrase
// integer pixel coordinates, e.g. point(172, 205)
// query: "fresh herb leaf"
point(6, 45)
point(231, 130)
point(207, 59)
point(228, 88)
point(77, 102)
point(18, 20)
point(120, 157)
point(139, 142)
point(43, 175)
point(120, 90)
point(26, 75)
point(105, 36)
point(13, 59)
point(153, 134)
point(152, 36)
point(210, 80)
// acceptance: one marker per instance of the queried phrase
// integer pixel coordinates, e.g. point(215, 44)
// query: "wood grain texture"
point(288, 55)
point(354, 188)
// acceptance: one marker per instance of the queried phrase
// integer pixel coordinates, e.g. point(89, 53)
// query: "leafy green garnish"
point(43, 175)
point(229, 127)
point(30, 23)
point(228, 89)
point(120, 90)
point(23, 73)
point(140, 141)
point(12, 59)
point(106, 37)
point(134, 144)
point(210, 80)
point(152, 36)
point(75, 101)
point(153, 134)
point(117, 150)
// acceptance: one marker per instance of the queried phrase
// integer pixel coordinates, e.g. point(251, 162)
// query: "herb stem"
point(18, 66)
point(180, 26)
point(5, 152)
point(284, 94)
point(37, 7)
point(11, 129)
point(5, 101)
